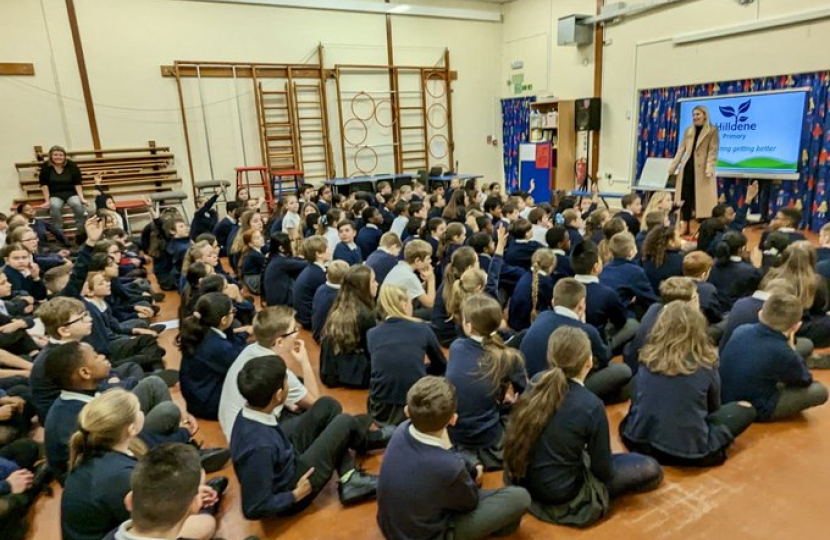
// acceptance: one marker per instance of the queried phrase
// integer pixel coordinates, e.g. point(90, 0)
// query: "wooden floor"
point(774, 485)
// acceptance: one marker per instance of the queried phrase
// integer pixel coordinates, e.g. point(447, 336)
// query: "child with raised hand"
point(276, 334)
point(444, 497)
point(302, 462)
point(558, 445)
point(205, 219)
point(281, 270)
point(484, 370)
point(534, 291)
point(325, 296)
point(103, 454)
point(608, 380)
point(343, 357)
point(252, 261)
point(676, 414)
point(759, 363)
point(733, 275)
point(346, 250)
point(397, 347)
point(317, 253)
point(209, 345)
point(662, 255)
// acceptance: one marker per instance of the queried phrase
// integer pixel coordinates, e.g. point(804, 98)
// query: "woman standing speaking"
point(696, 158)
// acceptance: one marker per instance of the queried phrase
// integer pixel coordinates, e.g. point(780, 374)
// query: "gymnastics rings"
point(377, 113)
point(365, 97)
point(442, 111)
point(433, 140)
point(357, 155)
point(346, 130)
point(435, 77)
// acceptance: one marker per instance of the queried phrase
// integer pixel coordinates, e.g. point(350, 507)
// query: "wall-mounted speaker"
point(588, 114)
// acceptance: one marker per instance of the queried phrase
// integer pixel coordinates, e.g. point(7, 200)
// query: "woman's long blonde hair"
point(194, 252)
point(797, 267)
point(390, 299)
point(654, 205)
point(679, 344)
point(102, 424)
point(569, 349)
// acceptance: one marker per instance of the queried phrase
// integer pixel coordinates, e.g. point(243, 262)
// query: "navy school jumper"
point(535, 343)
point(305, 286)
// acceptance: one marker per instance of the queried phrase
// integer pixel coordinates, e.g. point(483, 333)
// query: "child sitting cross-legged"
point(317, 252)
point(676, 414)
point(325, 295)
point(385, 258)
point(558, 445)
point(443, 498)
point(301, 462)
point(79, 371)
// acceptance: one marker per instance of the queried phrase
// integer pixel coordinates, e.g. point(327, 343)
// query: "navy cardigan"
point(305, 286)
point(203, 372)
point(278, 279)
point(320, 307)
point(368, 240)
point(735, 280)
point(205, 219)
point(603, 305)
point(521, 302)
point(752, 364)
point(479, 399)
point(672, 266)
point(382, 263)
point(629, 280)
point(535, 343)
point(520, 253)
point(343, 252)
point(631, 352)
point(397, 348)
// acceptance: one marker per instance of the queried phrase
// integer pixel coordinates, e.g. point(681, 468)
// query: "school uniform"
point(21, 282)
point(205, 219)
point(320, 307)
point(382, 263)
point(177, 249)
point(399, 226)
point(222, 231)
point(61, 423)
point(711, 304)
point(744, 311)
point(231, 401)
point(735, 279)
point(755, 360)
point(631, 352)
point(442, 490)
point(279, 278)
point(368, 239)
point(92, 503)
point(109, 339)
point(573, 450)
point(822, 254)
point(269, 462)
point(575, 236)
point(792, 235)
point(397, 348)
point(630, 220)
point(305, 286)
point(521, 252)
point(672, 266)
point(348, 253)
point(671, 416)
point(535, 343)
point(563, 264)
point(521, 301)
point(251, 270)
point(348, 368)
point(638, 241)
point(509, 275)
point(602, 306)
point(479, 427)
point(323, 207)
point(388, 218)
point(404, 276)
point(290, 221)
point(203, 372)
point(629, 281)
point(538, 233)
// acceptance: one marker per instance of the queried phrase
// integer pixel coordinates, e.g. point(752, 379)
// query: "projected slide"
point(760, 133)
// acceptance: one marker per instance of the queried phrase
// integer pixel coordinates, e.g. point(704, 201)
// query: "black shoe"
point(40, 483)
point(158, 297)
point(359, 487)
point(818, 361)
point(379, 439)
point(169, 376)
point(158, 328)
point(219, 485)
point(213, 459)
point(156, 309)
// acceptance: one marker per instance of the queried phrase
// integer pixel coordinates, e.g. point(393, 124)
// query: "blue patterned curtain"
point(515, 117)
point(658, 137)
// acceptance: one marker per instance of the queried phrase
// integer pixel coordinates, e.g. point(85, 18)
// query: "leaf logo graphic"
point(743, 107)
point(727, 112)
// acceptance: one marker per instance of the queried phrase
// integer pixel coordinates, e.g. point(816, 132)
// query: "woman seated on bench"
point(60, 181)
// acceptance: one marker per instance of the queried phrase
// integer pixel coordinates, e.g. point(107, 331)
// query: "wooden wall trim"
point(79, 55)
point(17, 69)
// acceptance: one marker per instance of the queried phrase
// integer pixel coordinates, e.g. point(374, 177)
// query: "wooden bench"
point(124, 172)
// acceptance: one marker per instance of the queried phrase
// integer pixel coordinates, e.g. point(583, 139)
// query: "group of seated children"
point(483, 326)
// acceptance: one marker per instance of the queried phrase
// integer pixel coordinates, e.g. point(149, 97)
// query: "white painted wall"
point(125, 42)
point(638, 54)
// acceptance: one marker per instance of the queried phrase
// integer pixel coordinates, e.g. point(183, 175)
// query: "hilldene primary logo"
point(740, 116)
